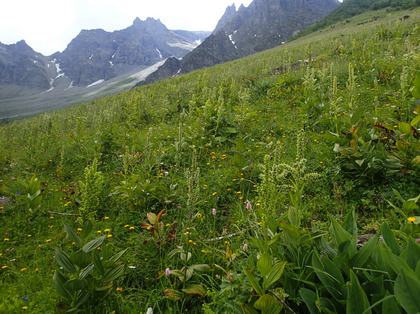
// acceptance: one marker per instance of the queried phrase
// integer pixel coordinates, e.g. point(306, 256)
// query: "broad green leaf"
point(173, 294)
point(268, 304)
point(86, 271)
point(177, 273)
point(264, 264)
point(86, 229)
point(383, 258)
point(274, 275)
point(363, 255)
point(201, 267)
point(117, 256)
point(81, 298)
point(64, 261)
point(349, 223)
point(114, 273)
point(75, 284)
point(309, 298)
point(417, 270)
point(390, 304)
point(357, 301)
point(98, 263)
point(411, 253)
point(185, 257)
point(404, 127)
point(339, 236)
point(94, 244)
point(293, 215)
point(254, 282)
point(330, 275)
point(151, 217)
point(389, 239)
point(415, 120)
point(290, 229)
point(104, 288)
point(186, 274)
point(357, 115)
point(195, 289)
point(406, 289)
point(71, 234)
point(409, 206)
point(80, 258)
point(416, 88)
point(59, 280)
point(248, 309)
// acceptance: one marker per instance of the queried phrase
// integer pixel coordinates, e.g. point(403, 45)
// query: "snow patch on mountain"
point(96, 83)
point(183, 45)
point(160, 55)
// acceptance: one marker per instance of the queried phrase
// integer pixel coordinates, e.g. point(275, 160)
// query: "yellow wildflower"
point(411, 219)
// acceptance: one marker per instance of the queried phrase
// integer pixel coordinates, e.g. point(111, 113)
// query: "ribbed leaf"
point(151, 217)
point(309, 298)
point(80, 258)
point(390, 305)
point(117, 256)
point(411, 253)
point(363, 255)
point(195, 289)
point(86, 271)
point(64, 261)
point(172, 294)
point(254, 282)
point(339, 236)
point(114, 273)
point(81, 298)
point(268, 304)
point(71, 234)
point(86, 229)
point(349, 223)
point(264, 264)
point(406, 289)
point(274, 275)
point(98, 263)
point(357, 301)
point(330, 275)
point(59, 280)
point(92, 245)
point(201, 267)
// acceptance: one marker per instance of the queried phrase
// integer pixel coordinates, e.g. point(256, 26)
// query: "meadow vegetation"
point(285, 182)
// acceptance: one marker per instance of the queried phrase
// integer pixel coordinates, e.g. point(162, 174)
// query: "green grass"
point(240, 121)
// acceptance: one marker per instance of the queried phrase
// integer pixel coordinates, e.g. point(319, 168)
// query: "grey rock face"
point(264, 24)
point(21, 65)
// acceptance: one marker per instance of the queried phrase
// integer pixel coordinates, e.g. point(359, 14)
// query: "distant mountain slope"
point(262, 25)
point(95, 62)
point(350, 8)
point(96, 54)
point(21, 65)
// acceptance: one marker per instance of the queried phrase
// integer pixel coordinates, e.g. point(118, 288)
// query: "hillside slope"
point(260, 26)
point(350, 8)
point(290, 174)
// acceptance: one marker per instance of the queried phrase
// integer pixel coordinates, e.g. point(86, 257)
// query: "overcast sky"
point(49, 25)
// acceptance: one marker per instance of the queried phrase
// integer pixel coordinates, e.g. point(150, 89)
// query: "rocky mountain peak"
point(262, 25)
point(230, 12)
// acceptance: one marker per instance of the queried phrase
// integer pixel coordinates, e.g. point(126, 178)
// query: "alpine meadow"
point(284, 182)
